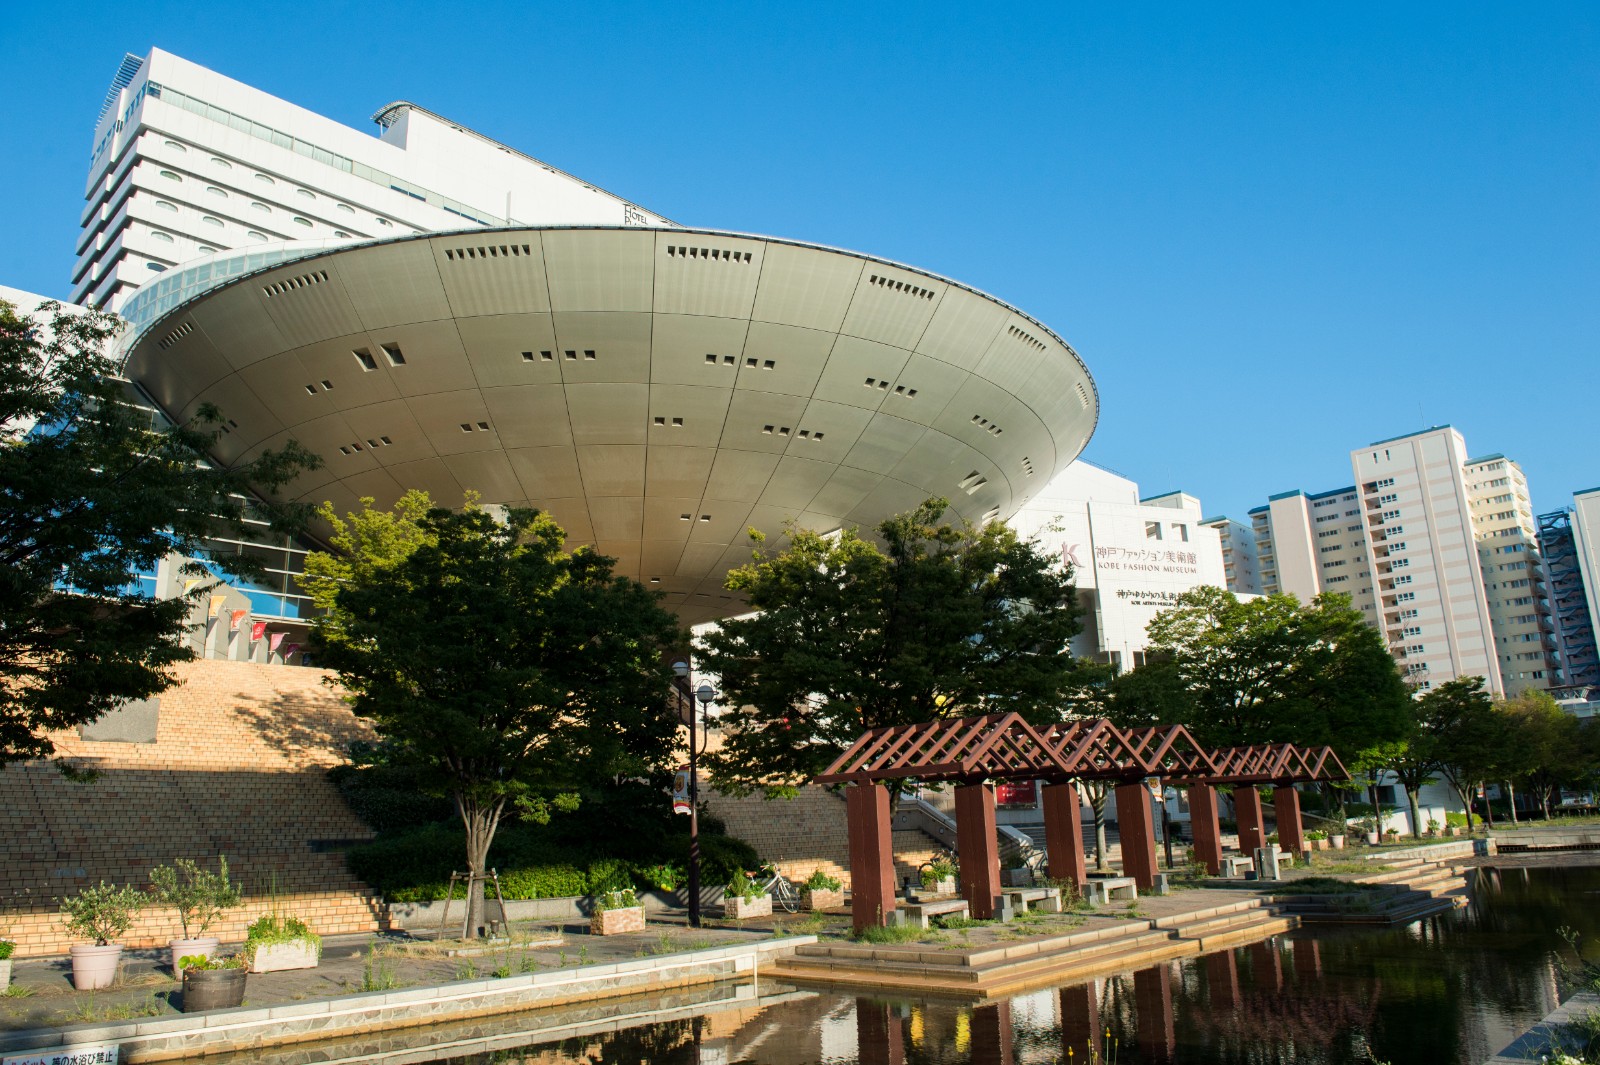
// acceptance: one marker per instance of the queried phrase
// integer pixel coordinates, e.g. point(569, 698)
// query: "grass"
point(377, 974)
point(465, 970)
point(18, 991)
point(895, 933)
point(957, 921)
point(87, 1013)
point(1352, 867)
point(1319, 885)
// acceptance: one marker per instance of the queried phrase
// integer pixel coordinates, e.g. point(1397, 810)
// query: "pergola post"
point(1222, 980)
point(1291, 833)
point(1080, 1022)
point(871, 854)
point(880, 1039)
point(1136, 832)
point(992, 1034)
point(1157, 1031)
point(1063, 832)
point(1247, 807)
point(1207, 831)
point(977, 850)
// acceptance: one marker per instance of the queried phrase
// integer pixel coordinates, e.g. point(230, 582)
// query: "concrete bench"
point(1103, 889)
point(1237, 867)
point(1047, 899)
point(917, 913)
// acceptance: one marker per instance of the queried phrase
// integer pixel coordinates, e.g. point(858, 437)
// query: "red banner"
point(1015, 794)
point(277, 638)
point(258, 630)
point(237, 619)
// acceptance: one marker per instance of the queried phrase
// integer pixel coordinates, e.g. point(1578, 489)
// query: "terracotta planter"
point(198, 947)
point(275, 957)
point(821, 898)
point(618, 921)
point(212, 989)
point(1337, 841)
point(95, 967)
point(739, 909)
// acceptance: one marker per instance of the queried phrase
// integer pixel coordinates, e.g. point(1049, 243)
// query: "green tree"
point(944, 619)
point(505, 670)
point(1275, 670)
point(1467, 736)
point(1544, 747)
point(93, 492)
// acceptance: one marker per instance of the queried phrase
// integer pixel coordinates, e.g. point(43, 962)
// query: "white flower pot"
point(5, 973)
point(95, 967)
point(198, 947)
point(294, 954)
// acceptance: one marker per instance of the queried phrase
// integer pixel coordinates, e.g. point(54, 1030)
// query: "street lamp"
point(704, 695)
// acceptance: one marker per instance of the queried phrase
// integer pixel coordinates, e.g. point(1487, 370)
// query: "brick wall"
point(808, 832)
point(238, 768)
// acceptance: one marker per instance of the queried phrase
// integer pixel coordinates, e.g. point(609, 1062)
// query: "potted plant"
point(1016, 872)
point(616, 912)
point(821, 892)
point(745, 897)
point(212, 983)
point(1433, 827)
point(1337, 841)
point(276, 942)
point(101, 913)
point(939, 877)
point(6, 947)
point(200, 897)
point(1318, 839)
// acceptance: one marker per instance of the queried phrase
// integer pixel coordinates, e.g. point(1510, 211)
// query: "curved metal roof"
point(659, 391)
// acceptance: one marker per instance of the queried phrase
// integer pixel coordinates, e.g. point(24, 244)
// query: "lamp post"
point(703, 695)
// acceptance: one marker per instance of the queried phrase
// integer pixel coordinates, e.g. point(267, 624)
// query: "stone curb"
point(190, 1035)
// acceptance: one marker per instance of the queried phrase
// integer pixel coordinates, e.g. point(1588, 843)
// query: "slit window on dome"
point(396, 357)
point(364, 357)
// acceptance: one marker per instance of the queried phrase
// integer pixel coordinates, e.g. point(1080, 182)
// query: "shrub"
point(724, 857)
point(664, 877)
point(1455, 820)
point(544, 882)
point(745, 887)
point(273, 928)
point(199, 896)
point(201, 963)
point(615, 900)
point(6, 947)
point(102, 913)
point(820, 881)
point(609, 874)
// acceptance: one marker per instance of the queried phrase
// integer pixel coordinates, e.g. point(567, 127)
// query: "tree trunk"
point(1098, 794)
point(1416, 817)
point(1544, 801)
point(1488, 808)
point(1511, 794)
point(481, 822)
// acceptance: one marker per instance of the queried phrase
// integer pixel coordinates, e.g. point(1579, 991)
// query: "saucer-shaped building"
point(658, 391)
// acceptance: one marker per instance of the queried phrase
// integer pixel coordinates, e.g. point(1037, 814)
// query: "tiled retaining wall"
point(808, 832)
point(238, 767)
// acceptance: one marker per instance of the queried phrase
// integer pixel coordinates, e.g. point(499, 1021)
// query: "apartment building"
point(1310, 544)
point(1571, 601)
point(1514, 577)
point(187, 162)
point(1241, 564)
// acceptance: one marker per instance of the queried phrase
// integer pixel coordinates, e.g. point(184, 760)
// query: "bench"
point(1100, 890)
point(1021, 900)
point(1237, 867)
point(918, 912)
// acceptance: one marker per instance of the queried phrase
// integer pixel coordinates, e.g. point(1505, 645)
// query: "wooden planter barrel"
point(212, 989)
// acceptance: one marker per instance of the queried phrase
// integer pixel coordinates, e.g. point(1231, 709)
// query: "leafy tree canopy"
point(1275, 670)
point(506, 670)
point(93, 492)
point(940, 620)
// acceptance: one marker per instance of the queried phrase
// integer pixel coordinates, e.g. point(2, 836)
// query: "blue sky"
point(1274, 232)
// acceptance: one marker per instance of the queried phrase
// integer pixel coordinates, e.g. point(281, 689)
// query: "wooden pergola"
point(974, 752)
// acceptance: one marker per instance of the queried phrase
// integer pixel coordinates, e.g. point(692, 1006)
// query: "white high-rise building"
point(1241, 563)
point(187, 162)
point(1310, 544)
point(1133, 557)
point(1433, 606)
point(1514, 577)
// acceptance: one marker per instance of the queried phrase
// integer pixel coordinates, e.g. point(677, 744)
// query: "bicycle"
point(782, 892)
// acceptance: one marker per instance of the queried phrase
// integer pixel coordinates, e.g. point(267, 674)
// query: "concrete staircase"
point(1004, 968)
point(1414, 889)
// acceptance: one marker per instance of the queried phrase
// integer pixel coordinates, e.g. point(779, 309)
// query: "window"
point(1183, 531)
point(364, 357)
point(170, 175)
point(211, 220)
point(307, 193)
point(1399, 562)
point(383, 221)
point(255, 235)
point(165, 238)
point(204, 248)
point(166, 205)
point(301, 221)
point(214, 191)
point(175, 146)
point(340, 233)
point(222, 163)
point(1405, 597)
point(394, 353)
point(154, 268)
point(259, 206)
point(1152, 530)
point(345, 207)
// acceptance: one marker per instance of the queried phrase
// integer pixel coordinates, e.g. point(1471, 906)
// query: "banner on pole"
point(258, 630)
point(277, 638)
point(237, 620)
point(216, 604)
point(680, 790)
point(290, 649)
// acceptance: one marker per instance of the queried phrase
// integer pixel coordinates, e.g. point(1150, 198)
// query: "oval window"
point(222, 163)
point(263, 177)
point(170, 174)
point(216, 191)
point(175, 146)
point(165, 238)
point(301, 221)
point(166, 205)
point(210, 220)
point(258, 205)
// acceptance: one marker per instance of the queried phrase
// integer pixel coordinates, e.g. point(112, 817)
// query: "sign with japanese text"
point(104, 1054)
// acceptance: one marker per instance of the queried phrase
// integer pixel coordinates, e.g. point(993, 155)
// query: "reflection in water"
point(1451, 989)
